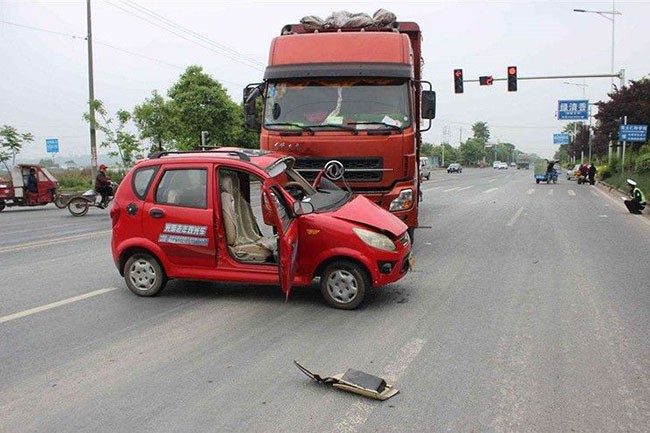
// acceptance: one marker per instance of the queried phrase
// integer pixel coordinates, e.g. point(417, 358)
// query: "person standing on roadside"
point(637, 202)
point(592, 173)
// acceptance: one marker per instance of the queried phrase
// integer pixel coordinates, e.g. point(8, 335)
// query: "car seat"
point(244, 240)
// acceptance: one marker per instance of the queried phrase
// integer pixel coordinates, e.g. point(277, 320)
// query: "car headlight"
point(403, 201)
point(374, 239)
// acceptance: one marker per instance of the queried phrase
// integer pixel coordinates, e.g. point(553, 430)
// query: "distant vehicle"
point(454, 168)
point(502, 166)
point(15, 191)
point(496, 164)
point(512, 164)
point(425, 167)
point(573, 173)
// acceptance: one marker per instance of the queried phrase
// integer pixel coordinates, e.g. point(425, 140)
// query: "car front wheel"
point(143, 275)
point(343, 284)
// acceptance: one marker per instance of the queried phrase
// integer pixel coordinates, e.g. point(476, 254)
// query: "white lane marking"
point(467, 187)
point(359, 413)
point(530, 191)
point(490, 190)
point(571, 192)
point(432, 188)
point(602, 216)
point(55, 304)
point(550, 192)
point(491, 180)
point(514, 218)
point(47, 242)
point(451, 189)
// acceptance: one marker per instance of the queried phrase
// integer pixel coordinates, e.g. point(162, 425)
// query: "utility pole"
point(91, 96)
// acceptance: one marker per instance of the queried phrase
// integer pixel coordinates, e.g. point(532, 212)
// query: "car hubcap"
point(142, 275)
point(342, 286)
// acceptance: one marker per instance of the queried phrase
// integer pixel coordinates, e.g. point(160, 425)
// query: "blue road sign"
point(573, 109)
point(635, 133)
point(561, 138)
point(52, 145)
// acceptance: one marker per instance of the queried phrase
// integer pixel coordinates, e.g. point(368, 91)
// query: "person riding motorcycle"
point(103, 186)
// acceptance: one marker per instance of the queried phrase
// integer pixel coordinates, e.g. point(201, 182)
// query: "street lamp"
point(610, 16)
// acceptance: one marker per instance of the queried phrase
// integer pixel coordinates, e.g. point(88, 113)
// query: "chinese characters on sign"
point(635, 133)
point(52, 145)
point(573, 109)
point(560, 138)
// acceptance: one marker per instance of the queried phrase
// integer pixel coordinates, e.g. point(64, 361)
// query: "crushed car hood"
point(363, 211)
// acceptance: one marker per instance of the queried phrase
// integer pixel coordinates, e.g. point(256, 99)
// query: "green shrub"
point(605, 172)
point(642, 164)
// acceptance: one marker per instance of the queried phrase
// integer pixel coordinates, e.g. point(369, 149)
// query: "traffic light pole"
point(620, 75)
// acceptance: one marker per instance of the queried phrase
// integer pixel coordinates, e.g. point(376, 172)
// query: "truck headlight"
point(374, 239)
point(403, 201)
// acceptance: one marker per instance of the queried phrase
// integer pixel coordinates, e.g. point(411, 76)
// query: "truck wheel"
point(537, 180)
point(343, 284)
point(2, 205)
point(78, 207)
point(143, 275)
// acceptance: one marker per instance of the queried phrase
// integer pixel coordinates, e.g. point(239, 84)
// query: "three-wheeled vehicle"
point(16, 192)
point(543, 174)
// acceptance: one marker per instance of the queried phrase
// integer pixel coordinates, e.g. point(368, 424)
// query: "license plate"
point(411, 261)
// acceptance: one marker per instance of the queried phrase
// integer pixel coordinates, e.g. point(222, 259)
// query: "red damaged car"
point(245, 215)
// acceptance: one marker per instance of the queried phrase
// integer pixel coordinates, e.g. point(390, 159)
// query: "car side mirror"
point(302, 207)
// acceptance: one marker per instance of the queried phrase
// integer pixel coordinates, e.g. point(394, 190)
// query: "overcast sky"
point(44, 75)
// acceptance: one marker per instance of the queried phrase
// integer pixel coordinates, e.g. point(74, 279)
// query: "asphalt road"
point(527, 311)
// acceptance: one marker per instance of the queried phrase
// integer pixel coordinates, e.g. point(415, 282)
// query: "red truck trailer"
point(350, 99)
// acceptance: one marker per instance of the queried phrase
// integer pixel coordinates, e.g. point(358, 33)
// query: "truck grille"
point(356, 169)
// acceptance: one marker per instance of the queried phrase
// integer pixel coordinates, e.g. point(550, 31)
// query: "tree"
point(632, 101)
point(481, 131)
point(11, 142)
point(472, 151)
point(199, 103)
point(126, 145)
point(154, 121)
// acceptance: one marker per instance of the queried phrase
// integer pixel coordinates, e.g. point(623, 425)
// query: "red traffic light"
point(458, 72)
point(458, 81)
point(512, 78)
point(486, 80)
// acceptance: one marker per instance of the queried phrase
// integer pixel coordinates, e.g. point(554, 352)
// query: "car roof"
point(256, 157)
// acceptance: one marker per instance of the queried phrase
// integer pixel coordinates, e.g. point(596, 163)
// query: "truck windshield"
point(350, 104)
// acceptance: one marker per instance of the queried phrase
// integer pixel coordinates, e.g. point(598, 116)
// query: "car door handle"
point(156, 213)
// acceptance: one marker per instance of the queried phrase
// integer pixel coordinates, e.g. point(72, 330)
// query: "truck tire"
point(343, 284)
point(2, 206)
point(78, 206)
point(143, 275)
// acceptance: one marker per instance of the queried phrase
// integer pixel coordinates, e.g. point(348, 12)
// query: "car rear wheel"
point(78, 206)
point(343, 284)
point(143, 275)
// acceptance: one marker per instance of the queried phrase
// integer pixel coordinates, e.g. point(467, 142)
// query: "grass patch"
point(620, 180)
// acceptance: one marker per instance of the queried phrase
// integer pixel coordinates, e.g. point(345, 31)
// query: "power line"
point(153, 59)
point(211, 44)
point(192, 32)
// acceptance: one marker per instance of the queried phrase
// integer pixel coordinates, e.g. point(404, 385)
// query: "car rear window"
point(183, 187)
point(142, 180)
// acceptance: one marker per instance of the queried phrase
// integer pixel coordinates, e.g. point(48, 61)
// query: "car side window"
point(183, 187)
point(142, 180)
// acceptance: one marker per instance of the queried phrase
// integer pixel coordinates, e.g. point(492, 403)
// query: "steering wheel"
point(296, 190)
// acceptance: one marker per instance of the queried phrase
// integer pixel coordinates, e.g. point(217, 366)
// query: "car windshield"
point(328, 105)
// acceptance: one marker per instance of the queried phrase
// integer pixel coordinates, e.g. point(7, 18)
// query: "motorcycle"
point(78, 206)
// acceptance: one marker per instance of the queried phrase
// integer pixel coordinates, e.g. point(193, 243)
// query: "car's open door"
point(287, 229)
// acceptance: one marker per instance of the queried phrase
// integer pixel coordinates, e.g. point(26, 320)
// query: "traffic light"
point(512, 78)
point(205, 138)
point(458, 81)
point(486, 80)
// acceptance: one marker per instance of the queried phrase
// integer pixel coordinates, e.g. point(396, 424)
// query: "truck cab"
point(332, 99)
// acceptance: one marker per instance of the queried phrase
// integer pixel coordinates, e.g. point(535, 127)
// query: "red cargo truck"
point(352, 100)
